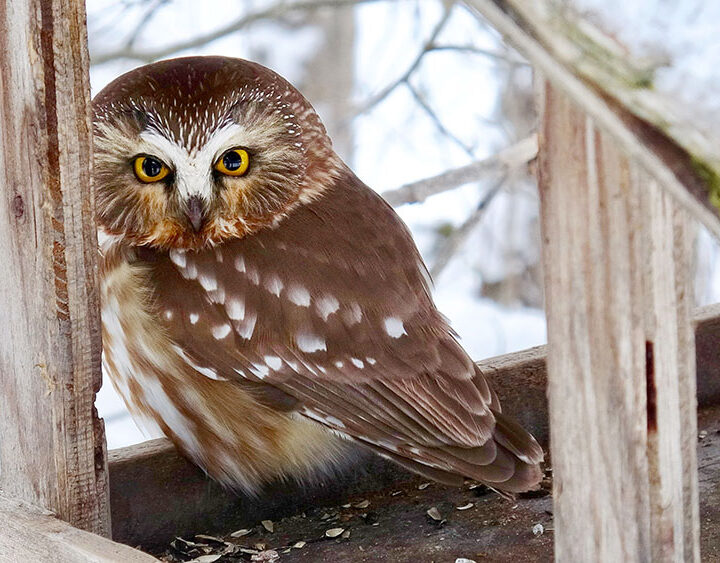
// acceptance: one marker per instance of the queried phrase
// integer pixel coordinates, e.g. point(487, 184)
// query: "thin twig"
point(273, 12)
point(502, 162)
point(454, 242)
point(436, 120)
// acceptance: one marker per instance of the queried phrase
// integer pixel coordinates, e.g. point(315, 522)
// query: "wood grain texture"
point(31, 535)
point(52, 448)
point(620, 350)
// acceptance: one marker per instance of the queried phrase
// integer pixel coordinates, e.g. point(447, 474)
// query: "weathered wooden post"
point(52, 451)
point(621, 367)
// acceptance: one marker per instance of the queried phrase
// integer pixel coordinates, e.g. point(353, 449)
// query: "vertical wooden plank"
point(620, 350)
point(52, 448)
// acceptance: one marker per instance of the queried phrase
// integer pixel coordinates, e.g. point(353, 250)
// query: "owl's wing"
point(332, 308)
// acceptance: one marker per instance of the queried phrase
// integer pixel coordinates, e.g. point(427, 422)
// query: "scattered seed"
point(362, 504)
point(299, 544)
point(268, 556)
point(465, 506)
point(345, 534)
point(423, 486)
point(206, 558)
point(248, 551)
point(268, 525)
point(334, 532)
point(702, 434)
point(395, 493)
point(260, 546)
point(286, 551)
point(434, 513)
point(346, 505)
point(464, 560)
point(240, 533)
point(325, 516)
point(538, 530)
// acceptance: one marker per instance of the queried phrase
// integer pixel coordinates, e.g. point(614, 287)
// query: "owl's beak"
point(195, 212)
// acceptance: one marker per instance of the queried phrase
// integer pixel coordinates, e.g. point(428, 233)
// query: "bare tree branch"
point(427, 46)
point(507, 159)
point(273, 12)
point(453, 243)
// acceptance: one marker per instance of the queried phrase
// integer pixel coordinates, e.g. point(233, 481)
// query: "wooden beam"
point(29, 534)
point(598, 75)
point(621, 367)
point(52, 448)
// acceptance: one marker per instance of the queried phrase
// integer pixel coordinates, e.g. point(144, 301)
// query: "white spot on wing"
point(394, 327)
point(253, 276)
point(299, 295)
point(240, 263)
point(221, 331)
point(331, 420)
point(326, 306)
point(208, 281)
point(339, 364)
point(353, 314)
point(310, 343)
point(371, 361)
point(260, 370)
point(168, 314)
point(247, 327)
point(194, 318)
point(235, 308)
point(178, 257)
point(274, 285)
point(274, 362)
point(357, 363)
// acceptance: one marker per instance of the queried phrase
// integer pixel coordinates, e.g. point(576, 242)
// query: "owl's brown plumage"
point(249, 315)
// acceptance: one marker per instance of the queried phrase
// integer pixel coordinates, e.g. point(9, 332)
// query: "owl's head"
point(193, 151)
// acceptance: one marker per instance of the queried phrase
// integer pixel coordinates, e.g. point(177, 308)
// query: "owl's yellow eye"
point(234, 162)
point(149, 169)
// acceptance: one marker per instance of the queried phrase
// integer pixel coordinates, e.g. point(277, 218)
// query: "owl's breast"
point(217, 423)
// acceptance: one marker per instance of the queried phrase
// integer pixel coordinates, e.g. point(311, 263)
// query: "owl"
point(261, 305)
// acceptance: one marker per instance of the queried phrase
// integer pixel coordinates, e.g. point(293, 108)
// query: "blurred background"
point(420, 97)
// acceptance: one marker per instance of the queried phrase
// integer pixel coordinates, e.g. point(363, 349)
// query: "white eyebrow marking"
point(326, 306)
point(235, 308)
point(299, 295)
point(310, 343)
point(394, 327)
point(274, 362)
point(221, 331)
